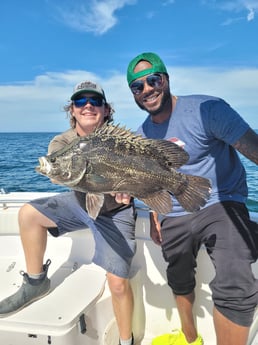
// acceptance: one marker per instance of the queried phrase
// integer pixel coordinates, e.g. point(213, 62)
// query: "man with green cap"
point(212, 133)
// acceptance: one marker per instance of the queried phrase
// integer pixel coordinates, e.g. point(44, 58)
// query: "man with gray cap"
point(212, 133)
point(113, 229)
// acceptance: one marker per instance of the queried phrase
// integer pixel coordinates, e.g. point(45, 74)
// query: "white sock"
point(126, 342)
point(37, 276)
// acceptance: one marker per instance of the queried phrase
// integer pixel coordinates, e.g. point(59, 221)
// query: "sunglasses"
point(94, 101)
point(154, 80)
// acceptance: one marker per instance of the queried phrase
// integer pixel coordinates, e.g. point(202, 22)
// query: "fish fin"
point(168, 153)
point(94, 202)
point(172, 155)
point(195, 194)
point(116, 131)
point(160, 202)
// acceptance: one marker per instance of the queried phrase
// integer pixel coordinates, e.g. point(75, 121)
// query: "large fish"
point(113, 159)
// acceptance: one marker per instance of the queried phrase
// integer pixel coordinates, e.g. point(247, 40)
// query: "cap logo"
point(86, 85)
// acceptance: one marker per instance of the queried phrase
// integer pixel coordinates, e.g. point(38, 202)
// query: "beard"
point(166, 98)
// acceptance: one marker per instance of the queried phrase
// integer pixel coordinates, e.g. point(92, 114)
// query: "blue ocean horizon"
point(20, 152)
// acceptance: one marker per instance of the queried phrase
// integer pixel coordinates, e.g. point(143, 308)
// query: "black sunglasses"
point(94, 101)
point(154, 80)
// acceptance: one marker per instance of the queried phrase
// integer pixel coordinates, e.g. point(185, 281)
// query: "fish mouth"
point(44, 167)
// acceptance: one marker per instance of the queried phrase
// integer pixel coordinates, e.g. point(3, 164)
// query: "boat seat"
point(62, 307)
point(76, 283)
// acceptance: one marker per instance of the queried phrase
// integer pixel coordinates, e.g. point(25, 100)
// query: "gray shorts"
point(114, 232)
point(230, 238)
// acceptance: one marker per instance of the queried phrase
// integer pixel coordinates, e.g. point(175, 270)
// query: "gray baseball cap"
point(88, 86)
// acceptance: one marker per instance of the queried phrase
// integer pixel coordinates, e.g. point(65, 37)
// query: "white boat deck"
point(78, 309)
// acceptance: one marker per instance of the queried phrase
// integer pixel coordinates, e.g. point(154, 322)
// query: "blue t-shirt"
point(206, 127)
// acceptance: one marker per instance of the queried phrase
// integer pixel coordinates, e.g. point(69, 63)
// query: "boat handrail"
point(9, 200)
point(14, 199)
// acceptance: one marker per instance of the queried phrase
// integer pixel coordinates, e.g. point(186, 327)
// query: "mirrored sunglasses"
point(94, 101)
point(154, 80)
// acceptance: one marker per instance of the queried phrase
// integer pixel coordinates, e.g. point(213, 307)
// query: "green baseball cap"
point(156, 62)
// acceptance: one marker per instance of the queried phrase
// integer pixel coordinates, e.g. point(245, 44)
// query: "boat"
point(78, 310)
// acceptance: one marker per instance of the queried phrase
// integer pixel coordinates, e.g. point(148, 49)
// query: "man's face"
point(151, 92)
point(89, 110)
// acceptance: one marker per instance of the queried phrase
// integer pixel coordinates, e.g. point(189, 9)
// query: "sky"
point(48, 46)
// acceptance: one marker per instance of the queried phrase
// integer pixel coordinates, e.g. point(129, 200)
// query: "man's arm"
point(248, 145)
point(155, 228)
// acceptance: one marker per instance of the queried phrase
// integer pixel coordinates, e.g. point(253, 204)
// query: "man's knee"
point(118, 286)
point(29, 218)
point(26, 212)
point(181, 284)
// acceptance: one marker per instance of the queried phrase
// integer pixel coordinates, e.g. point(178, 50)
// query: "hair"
point(166, 75)
point(68, 109)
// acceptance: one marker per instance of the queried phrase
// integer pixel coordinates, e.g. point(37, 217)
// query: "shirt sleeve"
point(225, 123)
point(60, 140)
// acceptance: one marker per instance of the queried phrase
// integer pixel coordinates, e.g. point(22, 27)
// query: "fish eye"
point(52, 160)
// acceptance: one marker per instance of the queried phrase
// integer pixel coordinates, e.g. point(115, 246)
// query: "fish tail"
point(195, 194)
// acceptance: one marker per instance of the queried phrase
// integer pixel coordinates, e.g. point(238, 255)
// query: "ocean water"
point(20, 152)
point(19, 157)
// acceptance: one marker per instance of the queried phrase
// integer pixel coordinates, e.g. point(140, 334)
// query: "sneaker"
point(132, 343)
point(177, 337)
point(30, 291)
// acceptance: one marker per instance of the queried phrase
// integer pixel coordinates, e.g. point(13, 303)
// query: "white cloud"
point(38, 105)
point(250, 15)
point(236, 6)
point(230, 21)
point(237, 86)
point(96, 16)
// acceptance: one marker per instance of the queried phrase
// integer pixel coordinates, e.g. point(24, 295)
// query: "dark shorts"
point(114, 232)
point(230, 240)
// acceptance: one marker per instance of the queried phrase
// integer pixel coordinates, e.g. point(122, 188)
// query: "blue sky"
point(47, 46)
